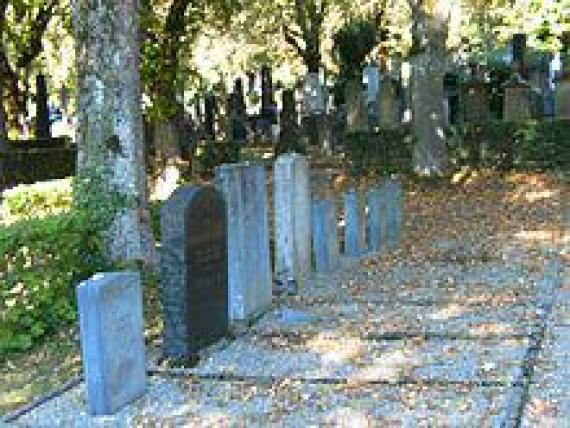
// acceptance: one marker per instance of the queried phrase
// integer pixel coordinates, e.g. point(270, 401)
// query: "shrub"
point(506, 145)
point(41, 260)
point(37, 200)
point(384, 151)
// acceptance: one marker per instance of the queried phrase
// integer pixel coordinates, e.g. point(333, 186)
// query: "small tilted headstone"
point(194, 265)
point(112, 340)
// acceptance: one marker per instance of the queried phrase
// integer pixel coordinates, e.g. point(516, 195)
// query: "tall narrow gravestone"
point(354, 228)
point(249, 263)
point(112, 341)
point(325, 236)
point(194, 270)
point(292, 219)
point(377, 218)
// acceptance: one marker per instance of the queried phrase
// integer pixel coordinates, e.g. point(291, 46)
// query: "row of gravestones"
point(216, 270)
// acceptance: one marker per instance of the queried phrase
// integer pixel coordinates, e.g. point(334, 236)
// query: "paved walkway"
point(467, 332)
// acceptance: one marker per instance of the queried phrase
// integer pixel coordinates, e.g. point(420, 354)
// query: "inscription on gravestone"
point(194, 270)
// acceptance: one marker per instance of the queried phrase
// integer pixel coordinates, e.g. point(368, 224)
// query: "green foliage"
point(41, 261)
point(507, 145)
point(36, 200)
point(352, 44)
point(211, 153)
point(385, 151)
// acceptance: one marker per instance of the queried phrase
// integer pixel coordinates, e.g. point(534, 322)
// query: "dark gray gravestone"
point(194, 267)
point(42, 113)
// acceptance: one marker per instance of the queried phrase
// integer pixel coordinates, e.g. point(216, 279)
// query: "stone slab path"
point(454, 331)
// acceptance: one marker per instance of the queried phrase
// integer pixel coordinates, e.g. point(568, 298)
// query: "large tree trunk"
point(110, 131)
point(428, 69)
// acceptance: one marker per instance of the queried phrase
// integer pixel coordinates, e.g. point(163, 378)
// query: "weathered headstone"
point(371, 78)
point(289, 132)
point(268, 110)
point(356, 115)
point(389, 103)
point(194, 267)
point(325, 236)
point(475, 102)
point(313, 95)
point(355, 224)
point(519, 53)
point(42, 112)
point(516, 105)
point(562, 99)
point(249, 263)
point(394, 212)
point(377, 218)
point(451, 88)
point(210, 116)
point(292, 219)
point(112, 340)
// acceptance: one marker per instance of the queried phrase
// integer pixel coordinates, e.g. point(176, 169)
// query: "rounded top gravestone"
point(194, 270)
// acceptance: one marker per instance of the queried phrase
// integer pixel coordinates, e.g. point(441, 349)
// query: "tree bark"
point(110, 131)
point(428, 69)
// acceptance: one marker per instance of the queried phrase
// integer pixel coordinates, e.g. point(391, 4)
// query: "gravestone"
point(371, 78)
point(355, 224)
point(267, 99)
point(210, 116)
point(194, 267)
point(313, 95)
point(292, 219)
point(325, 236)
point(475, 102)
point(519, 54)
point(356, 116)
point(516, 102)
point(112, 340)
point(394, 212)
point(42, 112)
point(377, 218)
point(249, 263)
point(562, 99)
point(389, 104)
point(289, 132)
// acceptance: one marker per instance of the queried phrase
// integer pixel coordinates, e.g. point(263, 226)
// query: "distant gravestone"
point(292, 219)
point(389, 103)
point(112, 340)
point(356, 115)
point(210, 116)
point(42, 113)
point(475, 102)
point(325, 236)
point(562, 99)
point(377, 218)
point(249, 262)
point(194, 270)
point(355, 221)
point(516, 103)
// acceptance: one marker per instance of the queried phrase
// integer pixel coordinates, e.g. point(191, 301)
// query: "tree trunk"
point(430, 153)
point(428, 69)
point(110, 131)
